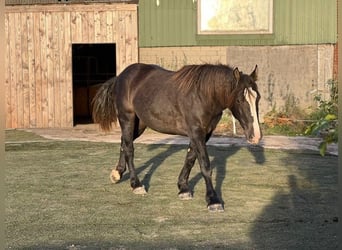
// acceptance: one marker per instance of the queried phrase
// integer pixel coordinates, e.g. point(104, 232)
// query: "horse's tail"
point(104, 110)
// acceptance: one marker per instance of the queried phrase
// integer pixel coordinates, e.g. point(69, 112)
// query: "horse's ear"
point(236, 74)
point(254, 74)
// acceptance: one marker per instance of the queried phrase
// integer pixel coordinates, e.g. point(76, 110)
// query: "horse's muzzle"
point(254, 139)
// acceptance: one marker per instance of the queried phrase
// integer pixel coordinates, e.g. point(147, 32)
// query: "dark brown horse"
point(187, 102)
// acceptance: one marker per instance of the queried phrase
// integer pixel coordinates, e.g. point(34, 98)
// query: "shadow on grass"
point(219, 162)
point(152, 164)
point(304, 214)
point(219, 158)
point(301, 215)
point(176, 245)
point(289, 203)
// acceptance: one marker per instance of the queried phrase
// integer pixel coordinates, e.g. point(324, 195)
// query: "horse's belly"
point(161, 109)
point(163, 121)
point(170, 131)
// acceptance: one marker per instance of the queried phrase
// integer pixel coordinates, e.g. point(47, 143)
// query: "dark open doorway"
point(92, 64)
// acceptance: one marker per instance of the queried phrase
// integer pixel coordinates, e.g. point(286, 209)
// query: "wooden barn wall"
point(39, 58)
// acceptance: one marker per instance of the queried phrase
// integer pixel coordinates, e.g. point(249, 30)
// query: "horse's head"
point(245, 104)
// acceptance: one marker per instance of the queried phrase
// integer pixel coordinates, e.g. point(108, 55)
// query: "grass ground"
point(59, 197)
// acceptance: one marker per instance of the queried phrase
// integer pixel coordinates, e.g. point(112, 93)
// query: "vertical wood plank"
point(8, 68)
point(37, 68)
point(14, 65)
point(50, 69)
point(91, 26)
point(121, 48)
point(115, 19)
point(97, 26)
point(115, 28)
point(109, 26)
point(78, 26)
point(19, 75)
point(134, 32)
point(56, 70)
point(44, 69)
point(128, 37)
point(68, 69)
point(103, 20)
point(25, 70)
point(62, 82)
point(31, 70)
point(85, 27)
point(73, 27)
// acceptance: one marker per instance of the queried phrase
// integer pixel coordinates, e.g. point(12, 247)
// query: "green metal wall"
point(174, 23)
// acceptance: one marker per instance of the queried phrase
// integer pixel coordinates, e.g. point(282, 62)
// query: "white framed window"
point(235, 17)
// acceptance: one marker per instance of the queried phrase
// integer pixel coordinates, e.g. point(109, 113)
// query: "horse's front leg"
point(214, 203)
point(184, 191)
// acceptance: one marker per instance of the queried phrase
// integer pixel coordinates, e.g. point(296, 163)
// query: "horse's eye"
point(240, 100)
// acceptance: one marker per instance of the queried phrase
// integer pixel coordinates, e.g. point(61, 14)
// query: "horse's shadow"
point(219, 161)
point(150, 166)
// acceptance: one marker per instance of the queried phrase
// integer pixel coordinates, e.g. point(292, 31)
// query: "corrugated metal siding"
point(173, 23)
point(167, 22)
point(305, 21)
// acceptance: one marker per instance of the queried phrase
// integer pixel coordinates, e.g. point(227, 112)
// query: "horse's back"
point(149, 92)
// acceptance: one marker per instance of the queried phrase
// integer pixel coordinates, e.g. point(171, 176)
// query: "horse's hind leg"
point(130, 129)
point(120, 168)
point(184, 191)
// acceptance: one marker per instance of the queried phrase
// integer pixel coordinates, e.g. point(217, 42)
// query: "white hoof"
point(115, 176)
point(185, 196)
point(215, 208)
point(140, 190)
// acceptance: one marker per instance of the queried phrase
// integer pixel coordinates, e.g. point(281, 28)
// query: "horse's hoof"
point(185, 196)
point(115, 176)
point(215, 208)
point(140, 190)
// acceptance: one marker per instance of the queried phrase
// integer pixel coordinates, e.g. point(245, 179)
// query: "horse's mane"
point(205, 78)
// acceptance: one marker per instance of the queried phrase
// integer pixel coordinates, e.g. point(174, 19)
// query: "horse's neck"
point(224, 97)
